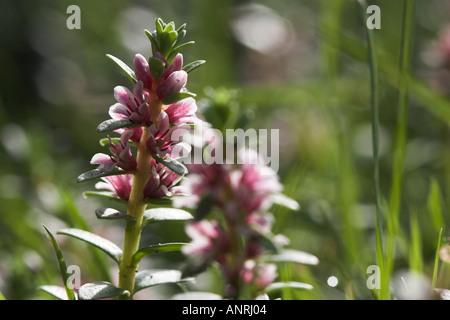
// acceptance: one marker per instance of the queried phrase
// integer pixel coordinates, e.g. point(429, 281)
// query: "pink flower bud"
point(176, 65)
point(142, 71)
point(174, 83)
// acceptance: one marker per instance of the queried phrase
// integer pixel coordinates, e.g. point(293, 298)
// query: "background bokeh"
point(299, 65)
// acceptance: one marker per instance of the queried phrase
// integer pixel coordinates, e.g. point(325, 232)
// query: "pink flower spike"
point(174, 83)
point(142, 71)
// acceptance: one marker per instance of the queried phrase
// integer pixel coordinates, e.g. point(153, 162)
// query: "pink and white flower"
point(131, 105)
point(122, 156)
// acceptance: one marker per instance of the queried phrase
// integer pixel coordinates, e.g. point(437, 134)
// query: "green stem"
point(401, 132)
point(136, 206)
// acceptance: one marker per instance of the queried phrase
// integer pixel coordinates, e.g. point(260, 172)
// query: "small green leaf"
point(181, 28)
point(114, 124)
point(100, 290)
point(197, 296)
point(165, 214)
point(157, 67)
point(160, 25)
point(169, 27)
point(178, 49)
point(167, 42)
point(62, 265)
point(149, 278)
point(157, 248)
point(177, 96)
point(172, 164)
point(181, 35)
point(285, 201)
point(125, 69)
point(105, 141)
point(96, 173)
point(109, 213)
point(152, 37)
point(293, 256)
point(277, 286)
point(101, 243)
point(193, 65)
point(2, 297)
point(167, 202)
point(56, 291)
point(103, 194)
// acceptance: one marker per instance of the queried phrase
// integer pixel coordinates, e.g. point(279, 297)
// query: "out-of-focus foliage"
point(299, 66)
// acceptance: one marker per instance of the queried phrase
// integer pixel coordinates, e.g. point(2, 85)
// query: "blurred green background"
point(300, 64)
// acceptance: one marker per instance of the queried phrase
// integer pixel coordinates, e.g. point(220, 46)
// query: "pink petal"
point(174, 83)
point(100, 158)
point(123, 95)
point(142, 71)
point(176, 65)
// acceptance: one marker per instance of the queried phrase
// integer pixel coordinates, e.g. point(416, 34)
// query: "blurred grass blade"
point(101, 243)
point(2, 297)
point(436, 261)
point(62, 265)
point(399, 150)
point(77, 220)
point(415, 250)
point(150, 278)
point(373, 65)
point(434, 202)
point(277, 286)
point(100, 290)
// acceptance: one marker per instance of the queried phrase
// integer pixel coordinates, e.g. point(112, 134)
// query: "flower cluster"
point(152, 114)
point(152, 120)
point(243, 195)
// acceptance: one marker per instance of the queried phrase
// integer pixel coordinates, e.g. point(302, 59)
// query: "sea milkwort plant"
point(238, 237)
point(139, 169)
